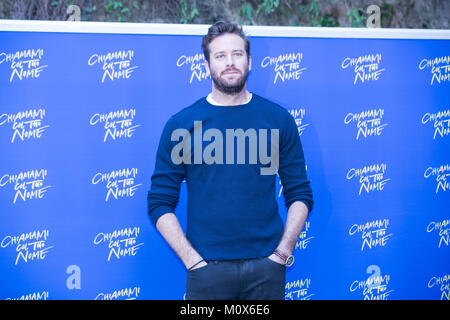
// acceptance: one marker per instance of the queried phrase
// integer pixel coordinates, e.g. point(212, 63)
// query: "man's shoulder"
point(190, 110)
point(267, 101)
point(272, 106)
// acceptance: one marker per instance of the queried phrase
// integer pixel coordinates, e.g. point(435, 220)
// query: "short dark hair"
point(219, 28)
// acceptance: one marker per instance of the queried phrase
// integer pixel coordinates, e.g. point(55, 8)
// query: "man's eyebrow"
point(236, 50)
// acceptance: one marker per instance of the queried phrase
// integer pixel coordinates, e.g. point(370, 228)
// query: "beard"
point(223, 85)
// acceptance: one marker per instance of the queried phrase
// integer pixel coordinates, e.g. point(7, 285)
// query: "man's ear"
point(206, 64)
point(249, 63)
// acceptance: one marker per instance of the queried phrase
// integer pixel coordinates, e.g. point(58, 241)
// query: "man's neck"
point(224, 99)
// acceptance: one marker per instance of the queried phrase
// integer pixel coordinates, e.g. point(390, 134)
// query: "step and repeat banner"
point(80, 120)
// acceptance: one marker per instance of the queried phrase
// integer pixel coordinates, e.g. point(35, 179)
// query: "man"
point(235, 246)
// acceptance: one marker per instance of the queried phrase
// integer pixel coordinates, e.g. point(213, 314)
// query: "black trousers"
point(250, 279)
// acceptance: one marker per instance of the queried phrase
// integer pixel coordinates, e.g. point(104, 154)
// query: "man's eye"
point(238, 54)
point(220, 56)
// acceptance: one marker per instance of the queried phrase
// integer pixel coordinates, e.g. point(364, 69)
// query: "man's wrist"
point(276, 259)
point(288, 259)
point(195, 265)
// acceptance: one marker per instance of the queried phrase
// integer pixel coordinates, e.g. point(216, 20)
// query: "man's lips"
point(231, 72)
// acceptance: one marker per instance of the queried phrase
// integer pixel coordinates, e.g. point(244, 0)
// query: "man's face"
point(228, 63)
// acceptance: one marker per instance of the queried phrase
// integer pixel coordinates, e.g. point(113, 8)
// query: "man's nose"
point(230, 61)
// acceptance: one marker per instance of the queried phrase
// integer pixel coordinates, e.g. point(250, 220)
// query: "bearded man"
point(235, 246)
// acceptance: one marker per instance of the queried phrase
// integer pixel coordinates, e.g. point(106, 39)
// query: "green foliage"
point(117, 8)
point(356, 17)
point(387, 13)
point(328, 20)
point(90, 9)
point(112, 5)
point(318, 13)
point(187, 14)
point(246, 13)
point(268, 6)
point(312, 11)
point(88, 12)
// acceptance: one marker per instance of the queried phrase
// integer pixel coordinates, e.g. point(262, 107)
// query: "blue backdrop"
point(81, 116)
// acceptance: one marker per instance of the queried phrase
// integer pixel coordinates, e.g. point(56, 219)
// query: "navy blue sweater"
point(232, 212)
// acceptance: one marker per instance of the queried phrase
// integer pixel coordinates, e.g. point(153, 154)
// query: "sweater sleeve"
point(292, 170)
point(167, 176)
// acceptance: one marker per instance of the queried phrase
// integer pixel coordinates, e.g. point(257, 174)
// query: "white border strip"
point(201, 29)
